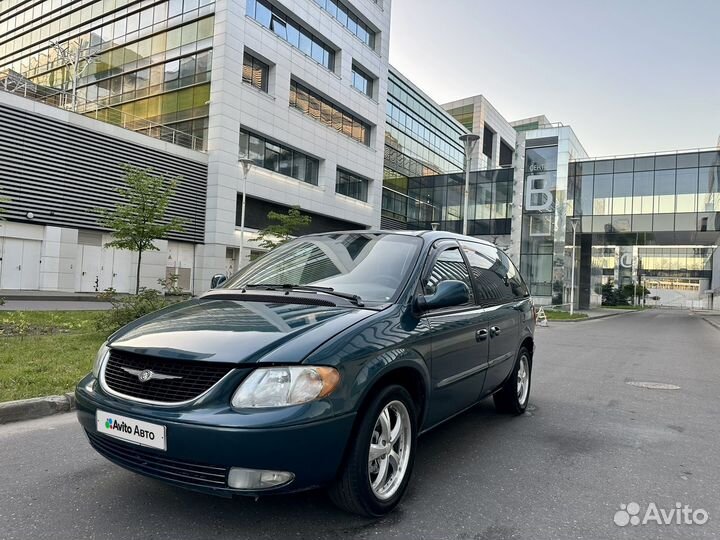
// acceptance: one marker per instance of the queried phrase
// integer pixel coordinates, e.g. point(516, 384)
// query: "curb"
point(586, 319)
point(711, 323)
point(29, 409)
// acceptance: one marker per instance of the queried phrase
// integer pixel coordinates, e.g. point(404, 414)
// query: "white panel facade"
point(234, 104)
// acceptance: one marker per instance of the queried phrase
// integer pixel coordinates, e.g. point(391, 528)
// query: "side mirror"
point(448, 293)
point(217, 280)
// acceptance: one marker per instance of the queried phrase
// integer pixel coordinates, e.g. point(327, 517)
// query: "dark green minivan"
point(317, 365)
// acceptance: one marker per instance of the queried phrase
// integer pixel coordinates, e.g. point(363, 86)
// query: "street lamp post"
point(469, 140)
point(246, 164)
point(573, 222)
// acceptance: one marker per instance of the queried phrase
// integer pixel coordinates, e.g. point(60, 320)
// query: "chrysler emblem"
point(146, 375)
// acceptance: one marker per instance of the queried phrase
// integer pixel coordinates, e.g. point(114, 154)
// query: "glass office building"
point(421, 139)
point(142, 64)
point(650, 219)
point(489, 202)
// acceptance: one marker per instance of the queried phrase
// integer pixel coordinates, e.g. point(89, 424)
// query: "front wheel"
point(514, 395)
point(380, 460)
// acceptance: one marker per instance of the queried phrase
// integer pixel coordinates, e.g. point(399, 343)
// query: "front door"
point(459, 337)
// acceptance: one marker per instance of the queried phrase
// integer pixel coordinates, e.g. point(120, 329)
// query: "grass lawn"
point(563, 315)
point(45, 352)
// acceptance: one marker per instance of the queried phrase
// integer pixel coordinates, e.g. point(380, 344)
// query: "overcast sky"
point(629, 76)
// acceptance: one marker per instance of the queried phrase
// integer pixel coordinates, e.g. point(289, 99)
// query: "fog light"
point(253, 479)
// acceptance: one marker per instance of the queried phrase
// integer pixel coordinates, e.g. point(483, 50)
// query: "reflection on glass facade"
point(345, 16)
point(274, 19)
point(152, 59)
point(539, 254)
point(420, 139)
point(351, 185)
point(662, 193)
point(279, 158)
point(652, 219)
point(318, 108)
point(489, 208)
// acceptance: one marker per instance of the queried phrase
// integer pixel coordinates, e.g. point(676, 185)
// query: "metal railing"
point(649, 154)
point(103, 113)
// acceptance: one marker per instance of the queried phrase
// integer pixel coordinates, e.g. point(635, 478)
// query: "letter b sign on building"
point(538, 198)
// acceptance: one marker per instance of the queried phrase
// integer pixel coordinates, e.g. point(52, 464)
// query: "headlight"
point(100, 358)
point(283, 386)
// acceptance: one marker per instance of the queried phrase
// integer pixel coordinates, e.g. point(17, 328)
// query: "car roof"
point(428, 236)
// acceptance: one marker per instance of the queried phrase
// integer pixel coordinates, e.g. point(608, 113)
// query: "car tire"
point(359, 489)
point(513, 396)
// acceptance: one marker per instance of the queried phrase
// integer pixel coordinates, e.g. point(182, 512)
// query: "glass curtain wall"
point(541, 260)
point(421, 139)
point(150, 62)
point(674, 193)
point(489, 208)
point(653, 219)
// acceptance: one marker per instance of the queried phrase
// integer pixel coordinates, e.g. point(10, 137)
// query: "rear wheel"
point(514, 395)
point(380, 460)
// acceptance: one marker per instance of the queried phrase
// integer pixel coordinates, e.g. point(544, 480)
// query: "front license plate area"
point(131, 430)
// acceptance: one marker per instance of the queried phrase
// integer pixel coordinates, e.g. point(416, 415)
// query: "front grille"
point(139, 460)
point(196, 377)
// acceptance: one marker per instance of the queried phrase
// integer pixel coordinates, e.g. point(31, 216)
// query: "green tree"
point(613, 296)
point(285, 227)
point(140, 219)
point(639, 290)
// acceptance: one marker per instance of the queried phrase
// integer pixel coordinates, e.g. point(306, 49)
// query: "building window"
point(295, 34)
point(331, 115)
point(349, 20)
point(279, 158)
point(488, 139)
point(506, 154)
point(362, 81)
point(351, 185)
point(255, 72)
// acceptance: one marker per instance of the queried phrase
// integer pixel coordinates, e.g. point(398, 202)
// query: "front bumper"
point(200, 454)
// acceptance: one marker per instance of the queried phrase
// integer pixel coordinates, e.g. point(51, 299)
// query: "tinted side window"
point(517, 283)
point(490, 269)
point(449, 265)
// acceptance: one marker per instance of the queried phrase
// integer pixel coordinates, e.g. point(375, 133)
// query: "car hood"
point(233, 331)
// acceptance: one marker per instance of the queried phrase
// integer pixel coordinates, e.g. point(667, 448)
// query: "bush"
point(613, 296)
point(125, 309)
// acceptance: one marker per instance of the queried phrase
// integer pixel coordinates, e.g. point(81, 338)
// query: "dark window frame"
point(278, 24)
point(369, 80)
point(254, 63)
point(310, 165)
point(350, 121)
point(356, 179)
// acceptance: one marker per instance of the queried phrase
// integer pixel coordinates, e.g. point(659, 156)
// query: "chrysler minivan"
point(317, 365)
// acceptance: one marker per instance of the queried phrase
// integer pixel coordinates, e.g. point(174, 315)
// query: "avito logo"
point(630, 514)
point(111, 424)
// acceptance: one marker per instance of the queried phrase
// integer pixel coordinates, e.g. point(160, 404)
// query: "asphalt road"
point(591, 443)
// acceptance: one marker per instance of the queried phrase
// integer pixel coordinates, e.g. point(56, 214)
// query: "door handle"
point(494, 331)
point(481, 335)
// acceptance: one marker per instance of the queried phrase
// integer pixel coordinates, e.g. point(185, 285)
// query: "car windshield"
point(371, 265)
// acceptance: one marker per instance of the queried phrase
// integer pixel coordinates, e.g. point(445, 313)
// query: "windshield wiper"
point(353, 298)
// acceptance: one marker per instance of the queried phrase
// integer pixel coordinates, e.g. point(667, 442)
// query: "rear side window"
point(449, 265)
point(496, 278)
